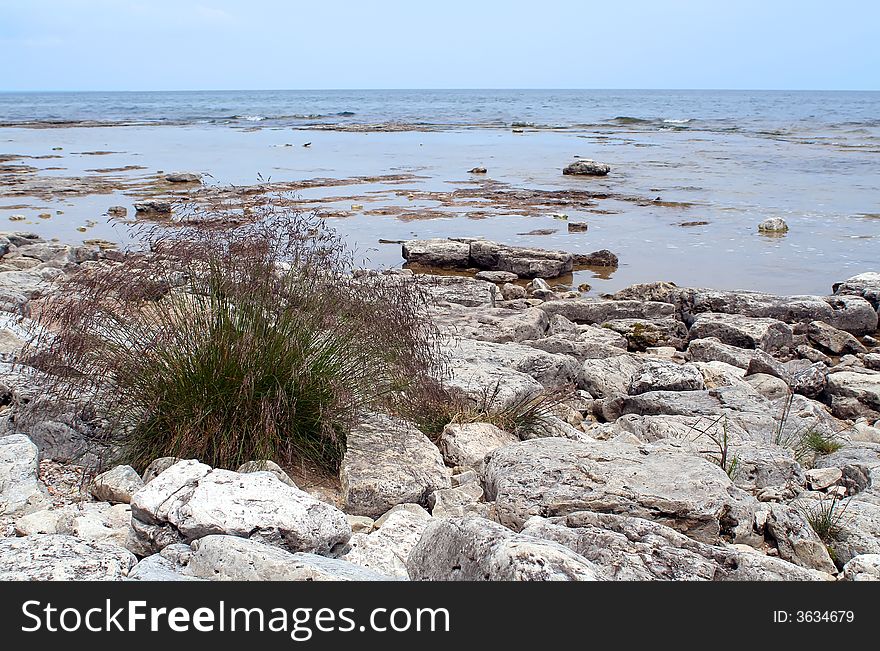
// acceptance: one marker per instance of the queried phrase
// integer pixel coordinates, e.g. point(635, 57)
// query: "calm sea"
point(721, 161)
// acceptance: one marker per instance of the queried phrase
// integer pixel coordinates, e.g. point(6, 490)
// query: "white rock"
point(230, 558)
point(818, 479)
point(190, 500)
point(385, 550)
point(56, 557)
point(21, 491)
point(554, 477)
point(475, 549)
point(865, 567)
point(388, 461)
point(466, 444)
point(117, 485)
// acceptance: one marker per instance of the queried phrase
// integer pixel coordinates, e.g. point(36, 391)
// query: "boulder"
point(655, 375)
point(642, 334)
point(388, 461)
point(592, 311)
point(467, 444)
point(555, 477)
point(190, 500)
point(442, 253)
point(158, 466)
point(524, 262)
point(832, 340)
point(796, 540)
point(153, 207)
point(712, 349)
point(866, 285)
point(490, 324)
point(496, 276)
point(851, 313)
point(773, 225)
point(469, 292)
point(741, 331)
point(865, 567)
point(183, 177)
point(635, 549)
point(230, 558)
point(457, 502)
point(386, 549)
point(117, 485)
point(475, 549)
point(609, 377)
point(861, 386)
point(21, 490)
point(586, 167)
point(57, 557)
point(168, 565)
point(91, 521)
point(600, 258)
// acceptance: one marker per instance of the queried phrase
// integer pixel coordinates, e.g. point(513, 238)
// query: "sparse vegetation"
point(433, 405)
point(805, 441)
point(827, 518)
point(717, 431)
point(237, 334)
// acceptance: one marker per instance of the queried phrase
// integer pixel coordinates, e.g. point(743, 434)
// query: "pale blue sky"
point(269, 44)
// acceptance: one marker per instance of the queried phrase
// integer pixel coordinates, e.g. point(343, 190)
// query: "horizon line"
point(443, 88)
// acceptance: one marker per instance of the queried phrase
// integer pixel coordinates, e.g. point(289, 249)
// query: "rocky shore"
point(703, 435)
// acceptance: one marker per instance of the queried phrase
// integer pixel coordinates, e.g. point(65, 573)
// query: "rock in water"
point(773, 225)
point(475, 549)
point(190, 500)
point(62, 558)
point(183, 177)
point(153, 207)
point(586, 167)
point(388, 461)
point(555, 477)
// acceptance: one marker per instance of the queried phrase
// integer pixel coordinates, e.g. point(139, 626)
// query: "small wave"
point(250, 118)
point(626, 119)
point(675, 121)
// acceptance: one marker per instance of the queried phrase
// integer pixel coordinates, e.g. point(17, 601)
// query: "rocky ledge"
point(702, 435)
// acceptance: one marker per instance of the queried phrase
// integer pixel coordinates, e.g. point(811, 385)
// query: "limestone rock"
point(654, 375)
point(475, 549)
point(592, 311)
point(555, 477)
point(190, 500)
point(117, 485)
point(56, 557)
point(467, 444)
point(21, 491)
point(742, 331)
point(586, 167)
point(385, 550)
point(388, 461)
point(230, 558)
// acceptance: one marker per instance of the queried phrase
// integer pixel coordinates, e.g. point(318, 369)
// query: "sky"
point(337, 44)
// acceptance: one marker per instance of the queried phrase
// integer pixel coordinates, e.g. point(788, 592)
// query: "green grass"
point(233, 343)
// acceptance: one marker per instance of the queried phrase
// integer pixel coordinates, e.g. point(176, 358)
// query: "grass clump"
point(432, 406)
point(238, 334)
point(827, 518)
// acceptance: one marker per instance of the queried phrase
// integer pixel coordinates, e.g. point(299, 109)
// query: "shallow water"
point(729, 159)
